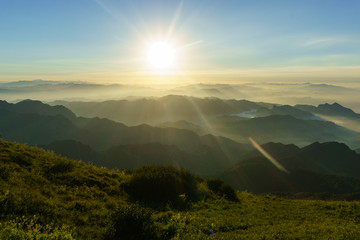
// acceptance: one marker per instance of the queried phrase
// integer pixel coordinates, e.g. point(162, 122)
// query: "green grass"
point(268, 217)
point(44, 196)
point(57, 190)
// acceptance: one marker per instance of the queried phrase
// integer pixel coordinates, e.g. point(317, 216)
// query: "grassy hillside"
point(49, 197)
point(57, 190)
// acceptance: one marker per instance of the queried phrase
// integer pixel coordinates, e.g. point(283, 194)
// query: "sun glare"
point(161, 56)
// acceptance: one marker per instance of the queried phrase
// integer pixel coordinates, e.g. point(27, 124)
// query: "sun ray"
point(175, 20)
point(268, 156)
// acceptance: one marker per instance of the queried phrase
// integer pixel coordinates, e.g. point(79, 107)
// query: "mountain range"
point(319, 167)
point(282, 93)
point(329, 166)
point(42, 128)
point(234, 119)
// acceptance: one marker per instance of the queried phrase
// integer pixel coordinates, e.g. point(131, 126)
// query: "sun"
point(161, 55)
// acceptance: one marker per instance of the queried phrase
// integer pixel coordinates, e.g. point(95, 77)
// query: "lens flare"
point(267, 156)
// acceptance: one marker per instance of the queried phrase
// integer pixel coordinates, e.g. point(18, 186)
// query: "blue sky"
point(103, 39)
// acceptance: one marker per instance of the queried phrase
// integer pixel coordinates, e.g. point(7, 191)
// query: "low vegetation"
point(44, 196)
point(158, 185)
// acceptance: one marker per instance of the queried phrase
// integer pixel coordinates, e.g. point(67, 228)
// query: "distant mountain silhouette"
point(333, 158)
point(319, 167)
point(132, 156)
point(327, 167)
point(235, 119)
point(74, 150)
point(334, 109)
point(164, 109)
point(182, 124)
point(31, 106)
point(33, 128)
point(24, 83)
point(40, 124)
point(286, 129)
point(42, 128)
point(257, 175)
point(292, 111)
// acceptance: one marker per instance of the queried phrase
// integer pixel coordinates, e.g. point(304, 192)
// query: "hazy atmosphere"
point(179, 119)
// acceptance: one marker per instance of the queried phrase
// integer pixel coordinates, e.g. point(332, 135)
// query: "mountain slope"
point(292, 111)
point(102, 134)
point(57, 190)
point(333, 158)
point(287, 129)
point(220, 117)
point(258, 175)
point(336, 113)
point(30, 106)
point(327, 167)
point(164, 109)
point(334, 109)
point(39, 192)
point(132, 156)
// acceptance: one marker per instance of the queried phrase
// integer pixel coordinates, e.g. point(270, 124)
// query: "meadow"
point(45, 196)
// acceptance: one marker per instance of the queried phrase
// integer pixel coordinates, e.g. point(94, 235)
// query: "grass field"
point(268, 217)
point(44, 196)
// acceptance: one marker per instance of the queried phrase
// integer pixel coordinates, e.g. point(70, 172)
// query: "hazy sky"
point(218, 41)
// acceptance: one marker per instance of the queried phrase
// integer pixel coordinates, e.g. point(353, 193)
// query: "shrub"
point(61, 167)
point(159, 184)
point(7, 204)
point(132, 222)
point(219, 187)
point(4, 173)
point(23, 202)
point(20, 158)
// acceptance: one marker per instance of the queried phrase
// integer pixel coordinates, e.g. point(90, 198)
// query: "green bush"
point(61, 167)
point(4, 173)
point(7, 204)
point(20, 158)
point(23, 203)
point(159, 184)
point(219, 187)
point(132, 222)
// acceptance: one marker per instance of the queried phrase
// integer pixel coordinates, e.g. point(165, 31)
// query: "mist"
point(277, 93)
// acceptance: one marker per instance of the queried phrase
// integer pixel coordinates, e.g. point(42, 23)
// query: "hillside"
point(132, 156)
point(285, 129)
point(182, 124)
point(327, 163)
point(292, 111)
point(73, 200)
point(319, 167)
point(336, 113)
point(57, 190)
point(115, 145)
point(234, 119)
point(30, 106)
point(334, 109)
point(42, 128)
point(163, 109)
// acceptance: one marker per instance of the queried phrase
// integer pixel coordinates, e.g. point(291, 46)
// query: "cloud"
point(325, 41)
